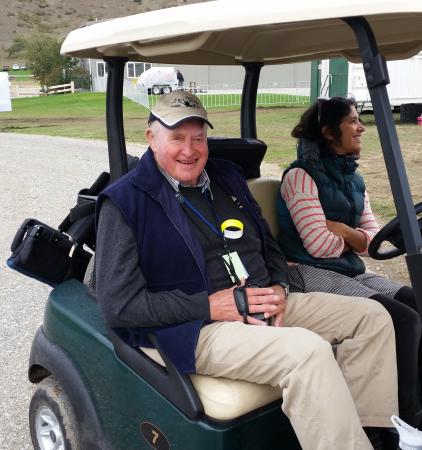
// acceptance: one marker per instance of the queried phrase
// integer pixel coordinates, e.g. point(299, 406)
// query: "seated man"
point(178, 237)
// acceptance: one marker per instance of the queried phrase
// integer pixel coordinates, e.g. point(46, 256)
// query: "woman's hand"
point(337, 228)
point(353, 239)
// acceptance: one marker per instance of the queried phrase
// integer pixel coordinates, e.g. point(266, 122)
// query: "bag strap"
point(85, 206)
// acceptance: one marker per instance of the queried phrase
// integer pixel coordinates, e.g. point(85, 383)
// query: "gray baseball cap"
point(176, 107)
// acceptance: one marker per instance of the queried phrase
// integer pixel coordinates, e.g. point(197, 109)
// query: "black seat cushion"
point(248, 153)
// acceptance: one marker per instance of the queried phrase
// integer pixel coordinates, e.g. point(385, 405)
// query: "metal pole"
point(377, 78)
point(248, 106)
point(114, 117)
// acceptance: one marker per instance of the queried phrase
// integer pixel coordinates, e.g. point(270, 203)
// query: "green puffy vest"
point(341, 192)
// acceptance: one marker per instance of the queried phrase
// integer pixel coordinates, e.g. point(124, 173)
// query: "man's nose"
point(188, 146)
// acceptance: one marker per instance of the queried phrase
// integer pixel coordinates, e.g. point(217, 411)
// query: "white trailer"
point(405, 86)
point(349, 79)
point(158, 80)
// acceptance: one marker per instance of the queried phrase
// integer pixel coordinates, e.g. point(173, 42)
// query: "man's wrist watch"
point(285, 287)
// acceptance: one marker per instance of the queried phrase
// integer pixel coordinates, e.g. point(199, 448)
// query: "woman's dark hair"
point(323, 113)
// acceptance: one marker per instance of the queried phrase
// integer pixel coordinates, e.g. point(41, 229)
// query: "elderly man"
point(183, 251)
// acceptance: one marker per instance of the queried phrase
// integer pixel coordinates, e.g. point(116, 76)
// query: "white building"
point(288, 75)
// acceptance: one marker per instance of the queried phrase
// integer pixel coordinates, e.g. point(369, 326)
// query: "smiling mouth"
point(188, 162)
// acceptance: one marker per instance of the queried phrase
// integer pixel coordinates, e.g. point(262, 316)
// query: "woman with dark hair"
point(327, 223)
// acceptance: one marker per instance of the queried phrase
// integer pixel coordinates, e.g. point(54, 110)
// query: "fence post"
point(72, 87)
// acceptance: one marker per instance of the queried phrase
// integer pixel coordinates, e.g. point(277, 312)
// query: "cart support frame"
point(114, 117)
point(376, 74)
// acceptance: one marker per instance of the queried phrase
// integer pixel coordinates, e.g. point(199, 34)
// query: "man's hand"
point(278, 319)
point(270, 301)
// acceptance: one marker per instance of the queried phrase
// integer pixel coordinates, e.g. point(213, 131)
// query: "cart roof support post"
point(114, 117)
point(377, 78)
point(248, 106)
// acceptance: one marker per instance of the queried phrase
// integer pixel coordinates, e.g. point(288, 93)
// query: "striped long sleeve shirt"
point(300, 193)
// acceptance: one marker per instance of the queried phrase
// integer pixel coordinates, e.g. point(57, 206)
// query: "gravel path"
point(39, 177)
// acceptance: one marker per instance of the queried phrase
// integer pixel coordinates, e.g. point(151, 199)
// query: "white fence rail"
point(35, 90)
point(60, 88)
point(24, 90)
point(229, 95)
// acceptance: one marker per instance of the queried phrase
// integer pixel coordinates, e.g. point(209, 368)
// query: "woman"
point(327, 223)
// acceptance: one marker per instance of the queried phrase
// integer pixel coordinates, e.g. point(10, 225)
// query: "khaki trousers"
point(327, 399)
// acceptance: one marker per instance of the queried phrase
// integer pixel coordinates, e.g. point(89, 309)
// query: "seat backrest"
point(248, 153)
point(265, 192)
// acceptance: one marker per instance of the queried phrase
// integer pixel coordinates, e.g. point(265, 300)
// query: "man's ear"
point(149, 134)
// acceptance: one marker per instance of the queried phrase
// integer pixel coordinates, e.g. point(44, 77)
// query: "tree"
point(18, 46)
point(42, 53)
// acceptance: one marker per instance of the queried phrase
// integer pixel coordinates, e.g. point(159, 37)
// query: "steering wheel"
point(391, 232)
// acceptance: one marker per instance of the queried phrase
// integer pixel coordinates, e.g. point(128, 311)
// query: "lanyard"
point(182, 200)
point(201, 216)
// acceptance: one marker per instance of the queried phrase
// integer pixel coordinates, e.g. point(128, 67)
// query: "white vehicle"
point(348, 78)
point(16, 67)
point(158, 80)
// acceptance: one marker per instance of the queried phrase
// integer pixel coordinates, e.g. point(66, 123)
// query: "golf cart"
point(93, 390)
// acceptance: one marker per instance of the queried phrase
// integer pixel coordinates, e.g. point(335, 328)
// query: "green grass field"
point(21, 75)
point(82, 115)
point(78, 115)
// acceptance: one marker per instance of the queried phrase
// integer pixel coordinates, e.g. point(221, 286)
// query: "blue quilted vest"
point(149, 206)
point(341, 192)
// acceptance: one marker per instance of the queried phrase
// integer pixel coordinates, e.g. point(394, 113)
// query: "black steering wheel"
point(391, 232)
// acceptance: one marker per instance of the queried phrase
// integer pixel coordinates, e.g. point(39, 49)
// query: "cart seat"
point(247, 153)
point(225, 399)
point(265, 192)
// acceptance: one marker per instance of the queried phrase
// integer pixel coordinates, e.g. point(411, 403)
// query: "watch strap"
point(285, 286)
point(241, 301)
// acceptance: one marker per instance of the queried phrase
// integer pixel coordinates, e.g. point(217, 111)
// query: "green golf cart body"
point(93, 390)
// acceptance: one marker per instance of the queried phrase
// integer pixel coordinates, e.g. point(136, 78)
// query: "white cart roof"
point(237, 31)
